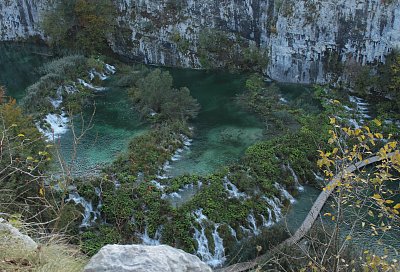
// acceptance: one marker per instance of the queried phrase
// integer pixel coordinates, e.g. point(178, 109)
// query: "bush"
point(156, 99)
point(52, 256)
point(80, 24)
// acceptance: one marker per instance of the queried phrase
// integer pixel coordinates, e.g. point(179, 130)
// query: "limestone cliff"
point(304, 38)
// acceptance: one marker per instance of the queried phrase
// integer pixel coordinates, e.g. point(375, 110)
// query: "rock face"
point(139, 258)
point(305, 39)
point(12, 237)
point(20, 19)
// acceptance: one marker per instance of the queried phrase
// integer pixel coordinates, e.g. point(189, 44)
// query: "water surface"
point(222, 130)
point(18, 66)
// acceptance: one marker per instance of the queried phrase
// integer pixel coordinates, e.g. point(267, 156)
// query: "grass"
point(50, 256)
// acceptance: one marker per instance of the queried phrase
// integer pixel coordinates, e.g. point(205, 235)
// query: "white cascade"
point(232, 189)
point(89, 214)
point(275, 205)
point(252, 224)
point(233, 232)
point(296, 179)
point(213, 259)
point(151, 241)
point(284, 193)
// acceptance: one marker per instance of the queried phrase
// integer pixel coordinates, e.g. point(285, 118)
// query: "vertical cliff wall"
point(19, 19)
point(305, 39)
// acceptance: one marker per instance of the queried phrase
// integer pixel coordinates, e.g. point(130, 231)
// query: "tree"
point(24, 157)
point(363, 199)
point(80, 24)
point(154, 96)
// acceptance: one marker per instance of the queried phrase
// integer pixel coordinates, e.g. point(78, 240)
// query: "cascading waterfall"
point(91, 86)
point(232, 189)
point(203, 250)
point(285, 193)
point(267, 223)
point(57, 124)
point(90, 215)
point(275, 206)
point(252, 224)
point(318, 177)
point(296, 179)
point(362, 112)
point(233, 232)
point(151, 241)
point(163, 172)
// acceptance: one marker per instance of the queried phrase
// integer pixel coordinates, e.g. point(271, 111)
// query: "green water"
point(18, 66)
point(108, 134)
point(222, 131)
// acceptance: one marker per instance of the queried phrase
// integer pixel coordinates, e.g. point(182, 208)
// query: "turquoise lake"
point(222, 131)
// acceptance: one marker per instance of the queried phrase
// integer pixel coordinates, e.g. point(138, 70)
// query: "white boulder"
point(12, 237)
point(140, 258)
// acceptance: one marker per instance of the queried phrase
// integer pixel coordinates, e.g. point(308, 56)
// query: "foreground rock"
point(12, 237)
point(140, 258)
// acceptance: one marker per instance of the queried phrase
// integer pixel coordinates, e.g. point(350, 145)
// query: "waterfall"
point(110, 68)
point(158, 185)
point(163, 171)
point(146, 240)
point(219, 250)
point(284, 193)
point(361, 109)
point(233, 232)
point(90, 86)
point(177, 156)
point(93, 73)
point(56, 102)
point(203, 250)
point(252, 224)
point(88, 209)
point(318, 177)
point(267, 223)
point(296, 179)
point(275, 206)
point(232, 189)
point(58, 124)
point(99, 205)
point(245, 230)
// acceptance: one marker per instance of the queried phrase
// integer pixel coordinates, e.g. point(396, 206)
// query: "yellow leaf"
point(377, 122)
point(21, 135)
point(397, 206)
point(348, 237)
point(376, 196)
point(327, 214)
point(41, 192)
point(371, 213)
point(332, 121)
point(389, 201)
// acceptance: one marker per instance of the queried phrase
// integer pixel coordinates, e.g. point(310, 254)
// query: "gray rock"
point(11, 236)
point(138, 258)
point(300, 36)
